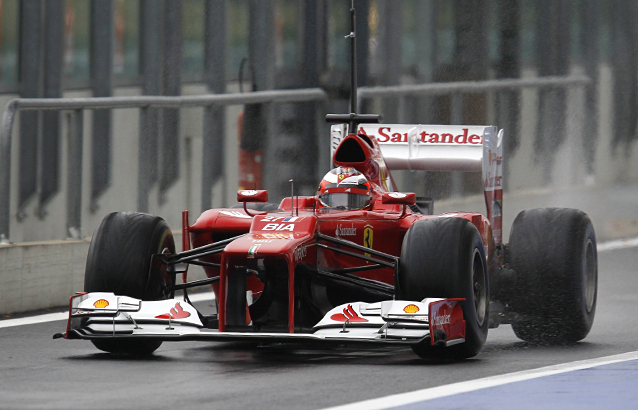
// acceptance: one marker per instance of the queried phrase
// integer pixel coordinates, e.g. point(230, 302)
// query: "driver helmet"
point(344, 188)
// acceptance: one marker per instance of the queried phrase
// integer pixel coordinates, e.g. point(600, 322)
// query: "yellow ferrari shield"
point(368, 237)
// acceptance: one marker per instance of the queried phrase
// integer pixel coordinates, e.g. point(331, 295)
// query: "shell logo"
point(102, 303)
point(411, 308)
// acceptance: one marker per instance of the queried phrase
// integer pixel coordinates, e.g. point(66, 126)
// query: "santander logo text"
point(386, 135)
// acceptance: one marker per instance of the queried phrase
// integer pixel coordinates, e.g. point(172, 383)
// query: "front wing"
point(108, 316)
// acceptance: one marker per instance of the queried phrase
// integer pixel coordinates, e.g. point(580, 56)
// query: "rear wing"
point(467, 148)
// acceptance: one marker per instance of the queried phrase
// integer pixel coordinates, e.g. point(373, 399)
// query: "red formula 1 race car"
point(358, 262)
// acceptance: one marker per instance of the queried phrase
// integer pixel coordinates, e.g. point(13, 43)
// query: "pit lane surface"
point(37, 372)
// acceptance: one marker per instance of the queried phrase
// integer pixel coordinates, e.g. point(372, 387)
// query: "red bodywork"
point(284, 239)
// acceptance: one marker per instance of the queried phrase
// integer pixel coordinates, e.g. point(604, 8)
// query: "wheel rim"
point(479, 287)
point(590, 273)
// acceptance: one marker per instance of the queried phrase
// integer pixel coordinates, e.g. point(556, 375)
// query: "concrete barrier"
point(39, 275)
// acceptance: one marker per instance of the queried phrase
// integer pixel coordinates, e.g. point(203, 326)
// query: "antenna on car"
point(292, 198)
point(353, 59)
point(353, 119)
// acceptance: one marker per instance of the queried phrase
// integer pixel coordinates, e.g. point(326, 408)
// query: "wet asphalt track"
point(38, 372)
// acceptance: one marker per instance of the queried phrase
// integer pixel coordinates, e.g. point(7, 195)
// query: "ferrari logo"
point(368, 236)
point(341, 176)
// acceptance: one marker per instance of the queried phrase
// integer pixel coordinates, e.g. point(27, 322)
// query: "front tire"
point(553, 252)
point(445, 258)
point(119, 261)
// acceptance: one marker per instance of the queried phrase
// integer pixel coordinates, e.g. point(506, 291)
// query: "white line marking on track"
point(198, 297)
point(32, 320)
point(52, 317)
point(403, 399)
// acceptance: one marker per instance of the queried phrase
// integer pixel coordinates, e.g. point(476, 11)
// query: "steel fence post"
point(74, 177)
point(5, 169)
point(214, 135)
point(148, 124)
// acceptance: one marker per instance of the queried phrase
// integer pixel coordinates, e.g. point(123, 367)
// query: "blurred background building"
point(81, 48)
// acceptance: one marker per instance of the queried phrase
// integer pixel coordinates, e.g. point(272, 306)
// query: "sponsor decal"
point(279, 227)
point(235, 214)
point(411, 308)
point(491, 181)
point(368, 236)
point(282, 219)
point(300, 252)
point(250, 192)
point(419, 318)
point(383, 178)
point(348, 315)
point(81, 312)
point(274, 236)
point(391, 137)
point(397, 195)
point(425, 137)
point(440, 320)
point(262, 240)
point(175, 313)
point(252, 251)
point(445, 138)
point(345, 231)
point(493, 157)
point(497, 206)
point(101, 303)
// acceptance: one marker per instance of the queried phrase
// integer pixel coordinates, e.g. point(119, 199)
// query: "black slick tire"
point(553, 252)
point(445, 258)
point(119, 261)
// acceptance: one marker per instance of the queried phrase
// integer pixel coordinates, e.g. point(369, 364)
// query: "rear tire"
point(553, 252)
point(445, 258)
point(119, 261)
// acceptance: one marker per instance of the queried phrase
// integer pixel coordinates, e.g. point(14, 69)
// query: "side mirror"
point(252, 195)
point(398, 198)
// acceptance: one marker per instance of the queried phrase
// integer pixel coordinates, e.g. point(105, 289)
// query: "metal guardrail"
point(457, 89)
point(464, 87)
point(78, 105)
